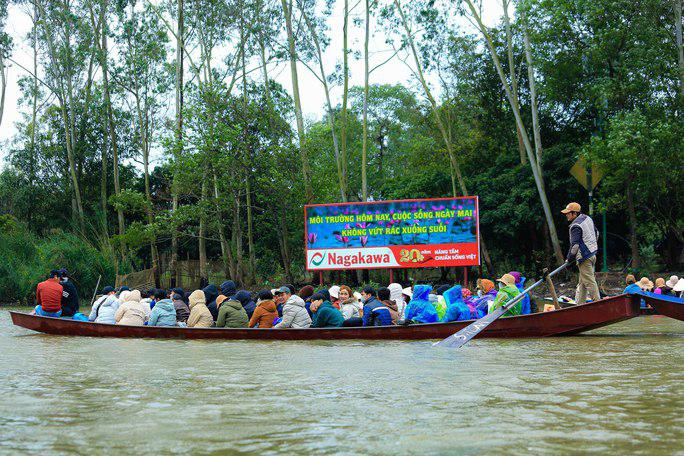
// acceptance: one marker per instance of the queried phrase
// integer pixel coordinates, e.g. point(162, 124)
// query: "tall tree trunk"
point(226, 253)
point(34, 111)
point(3, 85)
point(633, 242)
point(680, 48)
point(536, 128)
point(237, 239)
point(204, 276)
point(173, 267)
point(514, 78)
point(364, 149)
point(283, 240)
point(331, 114)
point(306, 169)
point(113, 140)
point(538, 177)
point(345, 94)
point(453, 162)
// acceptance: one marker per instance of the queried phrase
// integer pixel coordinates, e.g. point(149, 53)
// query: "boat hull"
point(668, 306)
point(571, 320)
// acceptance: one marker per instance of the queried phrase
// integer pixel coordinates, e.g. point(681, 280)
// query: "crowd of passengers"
point(285, 307)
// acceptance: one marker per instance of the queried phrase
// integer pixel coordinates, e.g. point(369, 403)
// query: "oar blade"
point(463, 336)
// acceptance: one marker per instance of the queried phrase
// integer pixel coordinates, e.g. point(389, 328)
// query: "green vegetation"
point(107, 172)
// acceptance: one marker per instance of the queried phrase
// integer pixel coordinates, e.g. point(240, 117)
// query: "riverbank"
point(614, 390)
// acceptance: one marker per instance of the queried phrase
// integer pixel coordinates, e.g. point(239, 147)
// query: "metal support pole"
point(605, 242)
point(465, 277)
point(391, 275)
point(320, 277)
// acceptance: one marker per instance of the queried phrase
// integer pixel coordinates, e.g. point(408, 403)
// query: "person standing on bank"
point(583, 248)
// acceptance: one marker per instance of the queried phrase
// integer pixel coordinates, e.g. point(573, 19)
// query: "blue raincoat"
point(457, 309)
point(525, 304)
point(420, 309)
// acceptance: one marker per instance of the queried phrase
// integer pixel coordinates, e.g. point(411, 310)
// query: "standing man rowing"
point(583, 248)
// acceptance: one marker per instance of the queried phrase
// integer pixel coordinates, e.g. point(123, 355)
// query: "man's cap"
point(282, 289)
point(55, 273)
point(572, 207)
point(507, 279)
point(108, 289)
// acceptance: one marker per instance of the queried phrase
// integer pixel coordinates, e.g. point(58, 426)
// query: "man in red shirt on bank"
point(49, 296)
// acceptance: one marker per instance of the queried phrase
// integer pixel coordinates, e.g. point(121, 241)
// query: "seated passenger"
point(384, 297)
point(163, 313)
point(105, 307)
point(632, 286)
point(49, 296)
point(507, 291)
point(325, 315)
point(131, 312)
point(294, 310)
point(265, 311)
point(182, 309)
point(70, 301)
point(199, 317)
point(397, 296)
point(457, 310)
point(419, 309)
point(526, 303)
point(210, 295)
point(334, 293)
point(659, 285)
point(349, 306)
point(645, 284)
point(244, 297)
point(467, 296)
point(231, 314)
point(147, 300)
point(375, 313)
point(486, 292)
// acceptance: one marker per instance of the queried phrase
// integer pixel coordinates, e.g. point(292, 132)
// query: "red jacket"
point(49, 295)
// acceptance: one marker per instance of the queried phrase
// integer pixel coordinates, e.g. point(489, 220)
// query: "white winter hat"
point(334, 291)
point(679, 286)
point(672, 282)
point(408, 292)
point(358, 296)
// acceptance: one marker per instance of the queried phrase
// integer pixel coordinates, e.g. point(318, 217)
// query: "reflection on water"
point(615, 390)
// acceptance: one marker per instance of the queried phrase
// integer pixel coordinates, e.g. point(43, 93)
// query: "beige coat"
point(131, 311)
point(200, 317)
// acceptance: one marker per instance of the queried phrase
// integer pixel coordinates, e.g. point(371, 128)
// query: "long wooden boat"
point(571, 320)
point(665, 305)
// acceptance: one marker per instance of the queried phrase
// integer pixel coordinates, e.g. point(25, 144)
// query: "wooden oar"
point(463, 336)
point(95, 292)
point(554, 295)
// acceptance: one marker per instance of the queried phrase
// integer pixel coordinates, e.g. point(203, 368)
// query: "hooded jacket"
point(69, 298)
point(327, 316)
point(375, 313)
point(210, 295)
point(163, 314)
point(457, 310)
point(525, 303)
point(199, 317)
point(131, 312)
point(104, 310)
point(420, 309)
point(231, 314)
point(264, 314)
point(228, 288)
point(294, 314)
point(245, 298)
point(182, 309)
point(504, 295)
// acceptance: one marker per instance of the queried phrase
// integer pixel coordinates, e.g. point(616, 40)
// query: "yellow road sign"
point(580, 172)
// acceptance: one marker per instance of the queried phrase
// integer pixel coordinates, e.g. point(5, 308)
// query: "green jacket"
point(327, 316)
point(504, 295)
point(232, 315)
